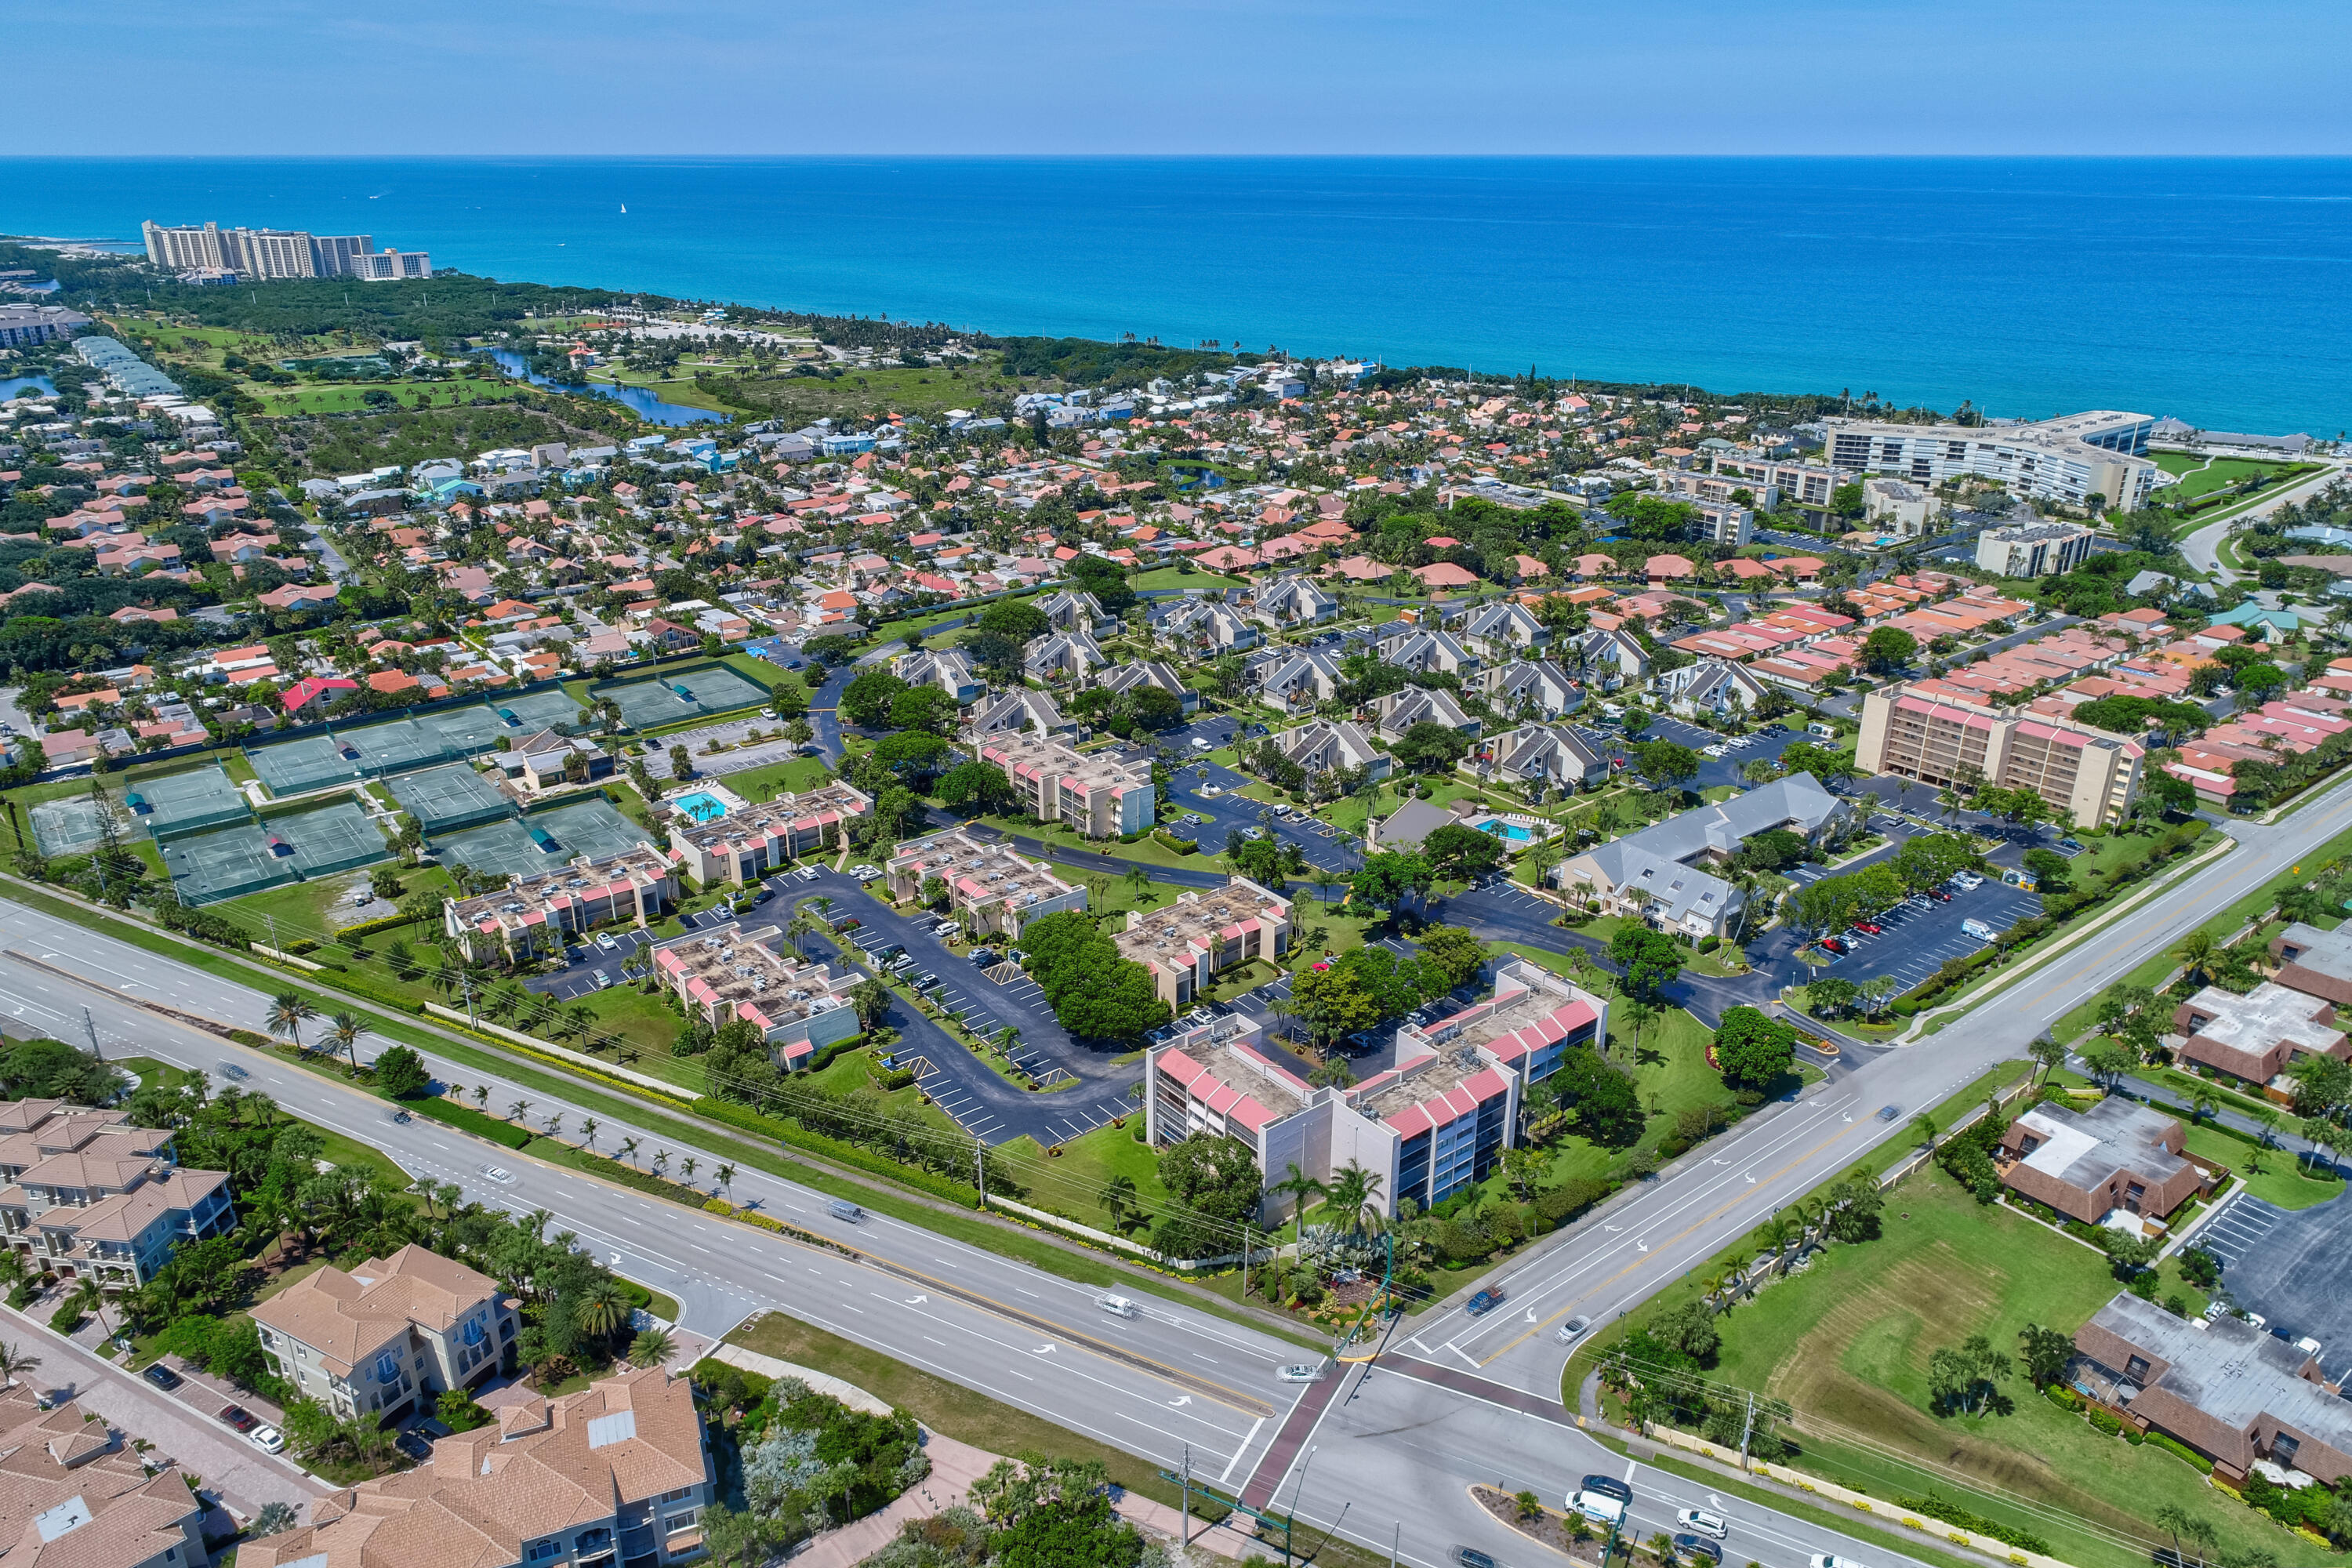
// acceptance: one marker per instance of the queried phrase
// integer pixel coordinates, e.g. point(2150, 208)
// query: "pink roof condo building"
point(991, 888)
point(1429, 1126)
point(542, 911)
point(749, 841)
point(1189, 943)
point(725, 972)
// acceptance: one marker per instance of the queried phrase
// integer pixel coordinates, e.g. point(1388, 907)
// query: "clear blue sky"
point(279, 77)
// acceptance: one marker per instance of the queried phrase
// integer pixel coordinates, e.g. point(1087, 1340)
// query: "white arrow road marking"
point(1044, 1350)
point(1181, 1403)
point(1643, 1244)
point(917, 1300)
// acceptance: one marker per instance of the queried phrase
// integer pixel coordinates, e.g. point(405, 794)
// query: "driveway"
point(983, 1102)
point(181, 1425)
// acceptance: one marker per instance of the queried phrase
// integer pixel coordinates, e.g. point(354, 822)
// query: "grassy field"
point(1072, 1183)
point(1176, 578)
point(2273, 1175)
point(318, 909)
point(348, 397)
point(1847, 1343)
point(757, 784)
point(890, 391)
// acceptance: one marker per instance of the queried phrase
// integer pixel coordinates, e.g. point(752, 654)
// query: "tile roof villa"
point(92, 1196)
point(74, 1494)
point(615, 1476)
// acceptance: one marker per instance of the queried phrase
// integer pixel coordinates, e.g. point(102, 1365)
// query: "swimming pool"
point(701, 808)
point(1501, 829)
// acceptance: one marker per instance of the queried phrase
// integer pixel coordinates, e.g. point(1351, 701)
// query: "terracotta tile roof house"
point(315, 692)
point(388, 1336)
point(617, 1474)
point(2228, 1390)
point(92, 1196)
point(295, 596)
point(76, 1495)
point(2257, 1037)
point(2088, 1164)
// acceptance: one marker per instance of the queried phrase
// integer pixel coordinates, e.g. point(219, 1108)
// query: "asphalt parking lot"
point(2291, 1265)
point(579, 976)
point(1917, 942)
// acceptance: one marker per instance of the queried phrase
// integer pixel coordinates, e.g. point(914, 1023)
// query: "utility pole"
point(273, 933)
point(470, 1018)
point(979, 1173)
point(1245, 1256)
point(1394, 1541)
point(1290, 1520)
point(1746, 1429)
point(1184, 1520)
point(92, 1028)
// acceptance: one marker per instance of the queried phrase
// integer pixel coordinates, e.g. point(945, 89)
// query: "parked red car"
point(1941, 896)
point(238, 1417)
point(1872, 927)
point(1831, 945)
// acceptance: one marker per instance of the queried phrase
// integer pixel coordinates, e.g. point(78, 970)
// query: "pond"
point(26, 386)
point(1183, 477)
point(647, 406)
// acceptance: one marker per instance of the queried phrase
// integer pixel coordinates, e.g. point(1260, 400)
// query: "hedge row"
point(368, 928)
point(1166, 839)
point(467, 1120)
point(1934, 1507)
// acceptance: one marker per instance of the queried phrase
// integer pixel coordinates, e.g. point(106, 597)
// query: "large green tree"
point(1752, 1049)
point(1652, 959)
point(865, 701)
point(1457, 853)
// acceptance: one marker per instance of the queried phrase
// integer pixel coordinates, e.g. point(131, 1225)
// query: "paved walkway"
point(955, 1467)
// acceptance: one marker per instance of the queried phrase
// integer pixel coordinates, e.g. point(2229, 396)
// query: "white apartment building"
point(727, 975)
point(1099, 795)
point(272, 253)
point(1770, 481)
point(2035, 549)
point(1188, 943)
point(2102, 453)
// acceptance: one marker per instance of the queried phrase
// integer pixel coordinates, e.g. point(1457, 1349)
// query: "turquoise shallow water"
point(2208, 289)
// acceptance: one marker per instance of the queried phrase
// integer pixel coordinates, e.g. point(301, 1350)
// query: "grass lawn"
point(319, 909)
point(349, 397)
point(1060, 835)
point(758, 784)
point(338, 1149)
point(1847, 1344)
point(880, 391)
point(1072, 1183)
point(2281, 1179)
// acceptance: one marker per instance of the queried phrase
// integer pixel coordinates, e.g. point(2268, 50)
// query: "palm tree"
point(1118, 1195)
point(1639, 1015)
point(556, 1125)
point(1298, 1187)
point(686, 1166)
point(601, 1309)
point(588, 1132)
point(2195, 953)
point(15, 1359)
point(482, 1097)
point(1924, 1125)
point(629, 1150)
point(578, 1019)
point(803, 925)
point(661, 1162)
point(344, 1032)
point(288, 1011)
point(650, 1348)
point(725, 1175)
point(516, 1111)
point(1354, 1195)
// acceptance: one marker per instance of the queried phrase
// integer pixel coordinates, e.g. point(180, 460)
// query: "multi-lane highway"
point(1462, 1400)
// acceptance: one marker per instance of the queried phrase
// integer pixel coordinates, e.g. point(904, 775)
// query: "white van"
point(1120, 1307)
point(1977, 929)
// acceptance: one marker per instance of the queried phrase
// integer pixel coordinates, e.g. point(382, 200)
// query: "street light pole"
point(1290, 1520)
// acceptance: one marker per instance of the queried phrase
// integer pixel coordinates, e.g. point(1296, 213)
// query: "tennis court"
point(467, 732)
point(380, 749)
point(448, 797)
point(229, 862)
point(312, 762)
point(69, 827)
point(536, 709)
point(171, 804)
point(544, 838)
point(685, 694)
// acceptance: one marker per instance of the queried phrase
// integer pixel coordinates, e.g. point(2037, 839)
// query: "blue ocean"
point(2213, 290)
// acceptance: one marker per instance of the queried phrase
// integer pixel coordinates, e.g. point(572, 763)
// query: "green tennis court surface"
point(170, 805)
point(228, 862)
point(69, 827)
point(590, 827)
point(448, 797)
point(308, 762)
point(685, 694)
